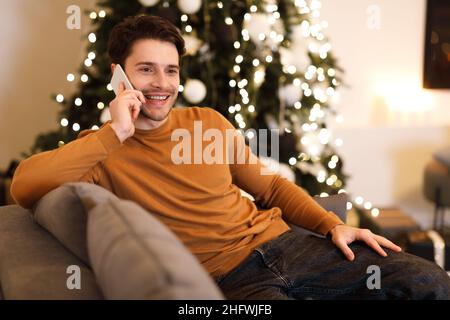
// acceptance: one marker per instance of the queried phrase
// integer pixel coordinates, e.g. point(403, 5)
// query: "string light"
point(102, 13)
point(70, 77)
point(59, 98)
point(92, 38)
point(76, 127)
point(64, 122)
point(78, 102)
point(367, 205)
point(88, 62)
point(375, 212)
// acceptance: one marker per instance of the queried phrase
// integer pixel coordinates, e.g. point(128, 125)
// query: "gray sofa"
point(82, 242)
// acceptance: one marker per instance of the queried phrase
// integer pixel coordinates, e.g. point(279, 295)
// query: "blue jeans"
point(298, 266)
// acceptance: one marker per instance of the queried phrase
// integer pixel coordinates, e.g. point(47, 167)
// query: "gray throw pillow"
point(61, 212)
point(135, 256)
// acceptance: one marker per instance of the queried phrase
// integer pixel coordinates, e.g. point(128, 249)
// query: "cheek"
point(175, 84)
point(137, 80)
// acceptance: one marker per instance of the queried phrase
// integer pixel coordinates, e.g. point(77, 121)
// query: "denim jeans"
point(298, 266)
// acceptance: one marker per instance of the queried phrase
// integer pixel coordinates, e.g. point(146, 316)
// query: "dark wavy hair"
point(124, 34)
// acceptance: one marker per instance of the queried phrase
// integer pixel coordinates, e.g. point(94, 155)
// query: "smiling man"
point(251, 253)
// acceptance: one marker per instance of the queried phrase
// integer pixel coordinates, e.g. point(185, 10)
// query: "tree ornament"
point(192, 44)
point(148, 3)
point(194, 91)
point(105, 116)
point(290, 94)
point(189, 6)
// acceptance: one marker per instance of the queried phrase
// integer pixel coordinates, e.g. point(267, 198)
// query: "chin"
point(156, 114)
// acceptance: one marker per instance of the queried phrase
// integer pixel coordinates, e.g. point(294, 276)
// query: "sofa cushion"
point(34, 265)
point(61, 212)
point(135, 256)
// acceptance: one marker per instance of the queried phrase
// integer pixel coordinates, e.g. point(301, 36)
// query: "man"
point(251, 253)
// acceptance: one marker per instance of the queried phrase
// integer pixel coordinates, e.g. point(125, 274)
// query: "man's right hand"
point(124, 110)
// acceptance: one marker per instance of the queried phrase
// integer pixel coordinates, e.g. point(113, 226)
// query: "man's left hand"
point(342, 235)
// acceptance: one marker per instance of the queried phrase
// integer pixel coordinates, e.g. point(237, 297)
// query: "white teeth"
point(157, 97)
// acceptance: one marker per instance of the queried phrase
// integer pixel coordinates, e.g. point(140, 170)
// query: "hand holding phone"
point(125, 108)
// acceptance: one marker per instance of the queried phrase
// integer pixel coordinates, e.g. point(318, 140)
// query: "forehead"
point(161, 52)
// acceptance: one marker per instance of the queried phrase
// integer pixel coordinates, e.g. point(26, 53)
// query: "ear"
point(113, 67)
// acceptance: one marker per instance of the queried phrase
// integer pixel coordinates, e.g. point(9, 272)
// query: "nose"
point(159, 80)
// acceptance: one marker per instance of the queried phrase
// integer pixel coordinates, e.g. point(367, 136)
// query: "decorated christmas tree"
point(263, 64)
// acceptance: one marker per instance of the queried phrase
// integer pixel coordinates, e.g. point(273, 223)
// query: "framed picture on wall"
point(436, 72)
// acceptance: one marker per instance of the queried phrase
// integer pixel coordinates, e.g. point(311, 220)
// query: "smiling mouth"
point(156, 98)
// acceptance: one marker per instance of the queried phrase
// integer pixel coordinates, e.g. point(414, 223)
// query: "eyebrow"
point(151, 64)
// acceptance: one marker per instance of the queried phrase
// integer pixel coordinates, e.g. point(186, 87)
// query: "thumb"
point(342, 245)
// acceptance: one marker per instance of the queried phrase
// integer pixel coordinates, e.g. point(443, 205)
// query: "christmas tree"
point(263, 64)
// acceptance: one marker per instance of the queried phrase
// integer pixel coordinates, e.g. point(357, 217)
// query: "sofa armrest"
point(33, 264)
point(336, 203)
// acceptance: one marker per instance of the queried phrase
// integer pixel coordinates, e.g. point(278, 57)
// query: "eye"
point(146, 69)
point(173, 71)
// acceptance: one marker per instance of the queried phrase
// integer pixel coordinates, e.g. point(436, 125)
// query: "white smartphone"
point(120, 76)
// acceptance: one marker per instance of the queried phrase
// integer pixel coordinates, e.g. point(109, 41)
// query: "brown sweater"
point(200, 202)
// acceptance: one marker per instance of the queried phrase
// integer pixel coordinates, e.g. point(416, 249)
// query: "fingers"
point(371, 242)
point(135, 111)
point(387, 243)
point(133, 94)
point(141, 96)
point(342, 245)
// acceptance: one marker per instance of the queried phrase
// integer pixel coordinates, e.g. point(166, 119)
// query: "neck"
point(148, 124)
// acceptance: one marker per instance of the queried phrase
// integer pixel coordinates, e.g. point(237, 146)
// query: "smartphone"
point(120, 76)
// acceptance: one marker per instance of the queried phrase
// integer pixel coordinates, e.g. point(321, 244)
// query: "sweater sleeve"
point(271, 190)
point(78, 160)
